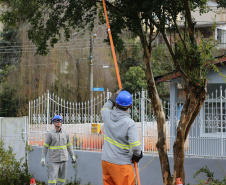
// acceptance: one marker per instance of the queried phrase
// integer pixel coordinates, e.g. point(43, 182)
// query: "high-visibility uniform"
point(121, 141)
point(59, 144)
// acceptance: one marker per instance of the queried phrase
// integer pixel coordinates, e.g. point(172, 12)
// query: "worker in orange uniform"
point(121, 141)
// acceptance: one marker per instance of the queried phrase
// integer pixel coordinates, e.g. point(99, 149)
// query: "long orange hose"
point(112, 46)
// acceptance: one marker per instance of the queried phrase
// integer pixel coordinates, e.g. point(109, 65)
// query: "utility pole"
point(91, 80)
point(91, 77)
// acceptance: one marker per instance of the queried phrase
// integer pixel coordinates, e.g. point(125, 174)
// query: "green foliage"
point(135, 79)
point(52, 20)
point(132, 70)
point(76, 180)
point(6, 72)
point(221, 3)
point(77, 143)
point(28, 147)
point(47, 19)
point(10, 52)
point(210, 176)
point(196, 59)
point(161, 65)
point(9, 58)
point(9, 100)
point(161, 61)
point(132, 66)
point(202, 5)
point(12, 171)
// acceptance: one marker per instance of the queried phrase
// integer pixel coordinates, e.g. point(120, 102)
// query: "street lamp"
point(91, 77)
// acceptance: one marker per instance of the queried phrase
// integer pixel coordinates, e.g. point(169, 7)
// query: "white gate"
point(76, 117)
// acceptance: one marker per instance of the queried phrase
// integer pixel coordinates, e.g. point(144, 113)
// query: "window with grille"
point(221, 37)
point(214, 121)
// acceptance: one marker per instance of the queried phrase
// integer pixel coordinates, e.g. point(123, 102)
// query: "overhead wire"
point(66, 45)
point(61, 48)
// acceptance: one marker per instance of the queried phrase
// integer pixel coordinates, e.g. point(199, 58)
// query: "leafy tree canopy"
point(221, 3)
point(53, 20)
point(47, 18)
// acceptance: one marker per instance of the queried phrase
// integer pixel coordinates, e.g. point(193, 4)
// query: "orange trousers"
point(114, 174)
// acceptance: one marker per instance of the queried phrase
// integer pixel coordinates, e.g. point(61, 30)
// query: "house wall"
point(210, 16)
point(214, 77)
point(89, 168)
point(197, 138)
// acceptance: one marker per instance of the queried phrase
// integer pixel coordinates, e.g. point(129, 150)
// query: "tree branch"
point(156, 35)
point(142, 36)
point(112, 7)
point(182, 40)
point(191, 24)
point(176, 64)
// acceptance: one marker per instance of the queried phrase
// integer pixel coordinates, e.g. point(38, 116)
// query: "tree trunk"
point(157, 106)
point(195, 96)
point(178, 151)
point(161, 123)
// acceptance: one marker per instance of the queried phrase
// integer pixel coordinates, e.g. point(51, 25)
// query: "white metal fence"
point(206, 137)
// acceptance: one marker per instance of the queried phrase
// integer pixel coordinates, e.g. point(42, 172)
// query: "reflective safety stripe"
point(44, 144)
point(116, 143)
point(69, 144)
point(52, 181)
point(58, 147)
point(61, 180)
point(137, 143)
point(104, 108)
point(121, 145)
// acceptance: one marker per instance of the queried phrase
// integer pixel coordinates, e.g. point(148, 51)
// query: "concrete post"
point(173, 108)
point(91, 80)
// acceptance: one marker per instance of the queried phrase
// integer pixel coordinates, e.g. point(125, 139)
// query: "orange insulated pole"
point(112, 46)
point(137, 173)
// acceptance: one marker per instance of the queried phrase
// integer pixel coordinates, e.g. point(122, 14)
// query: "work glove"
point(74, 160)
point(43, 161)
point(137, 158)
point(114, 96)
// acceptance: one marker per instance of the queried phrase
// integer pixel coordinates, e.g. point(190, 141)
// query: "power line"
point(62, 45)
point(24, 50)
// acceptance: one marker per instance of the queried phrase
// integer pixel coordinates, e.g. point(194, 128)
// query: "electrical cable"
point(148, 162)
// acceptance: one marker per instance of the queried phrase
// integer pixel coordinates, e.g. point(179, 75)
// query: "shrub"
point(210, 175)
point(76, 180)
point(12, 171)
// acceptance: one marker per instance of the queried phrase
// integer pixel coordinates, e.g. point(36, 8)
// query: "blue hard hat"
point(124, 99)
point(57, 117)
